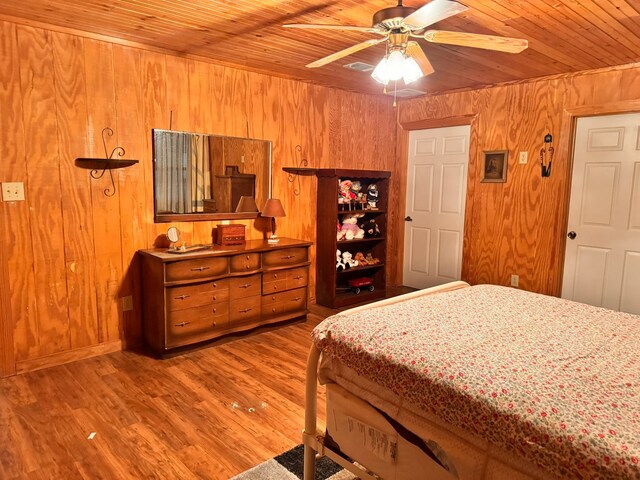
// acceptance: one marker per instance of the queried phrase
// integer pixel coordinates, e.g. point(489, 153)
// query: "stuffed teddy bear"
point(350, 227)
point(372, 196)
point(340, 235)
point(348, 260)
point(339, 263)
point(370, 260)
point(362, 262)
point(370, 228)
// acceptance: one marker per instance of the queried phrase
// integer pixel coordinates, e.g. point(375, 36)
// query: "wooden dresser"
point(193, 297)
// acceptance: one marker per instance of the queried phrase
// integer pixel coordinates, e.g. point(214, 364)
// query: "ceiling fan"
point(398, 25)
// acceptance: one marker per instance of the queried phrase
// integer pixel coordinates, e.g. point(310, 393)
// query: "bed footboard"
point(313, 440)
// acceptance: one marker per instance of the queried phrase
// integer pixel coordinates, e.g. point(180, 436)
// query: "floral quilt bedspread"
point(553, 381)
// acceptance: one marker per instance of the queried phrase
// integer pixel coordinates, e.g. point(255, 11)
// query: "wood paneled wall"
point(519, 227)
point(69, 249)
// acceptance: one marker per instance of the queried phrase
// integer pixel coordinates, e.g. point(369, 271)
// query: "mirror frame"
point(204, 216)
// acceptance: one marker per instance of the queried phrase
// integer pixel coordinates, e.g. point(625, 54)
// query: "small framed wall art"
point(494, 166)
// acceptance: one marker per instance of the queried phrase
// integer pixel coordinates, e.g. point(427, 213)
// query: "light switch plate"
point(12, 191)
point(524, 157)
point(515, 280)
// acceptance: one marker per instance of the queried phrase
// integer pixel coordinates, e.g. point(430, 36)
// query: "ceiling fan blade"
point(488, 42)
point(433, 12)
point(334, 27)
point(347, 51)
point(415, 51)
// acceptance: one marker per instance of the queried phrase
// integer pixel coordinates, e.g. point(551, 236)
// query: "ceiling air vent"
point(405, 92)
point(359, 67)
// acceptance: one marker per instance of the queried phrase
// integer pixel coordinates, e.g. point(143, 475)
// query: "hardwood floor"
point(210, 413)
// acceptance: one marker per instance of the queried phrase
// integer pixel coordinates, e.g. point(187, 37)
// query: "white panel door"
point(602, 258)
point(436, 194)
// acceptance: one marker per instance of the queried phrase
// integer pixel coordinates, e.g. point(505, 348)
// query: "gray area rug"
point(290, 466)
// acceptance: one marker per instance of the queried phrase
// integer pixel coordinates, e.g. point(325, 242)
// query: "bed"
point(481, 382)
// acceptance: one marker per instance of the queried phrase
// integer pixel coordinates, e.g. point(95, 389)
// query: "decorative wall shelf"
point(295, 172)
point(99, 166)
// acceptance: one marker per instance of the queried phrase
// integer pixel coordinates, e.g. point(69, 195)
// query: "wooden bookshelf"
point(332, 289)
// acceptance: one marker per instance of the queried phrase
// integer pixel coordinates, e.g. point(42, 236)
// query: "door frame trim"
point(402, 159)
point(567, 146)
point(7, 352)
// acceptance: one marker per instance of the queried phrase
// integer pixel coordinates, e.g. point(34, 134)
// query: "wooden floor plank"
point(208, 413)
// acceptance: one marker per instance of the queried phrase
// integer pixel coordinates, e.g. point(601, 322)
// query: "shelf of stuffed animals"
point(360, 240)
point(366, 212)
point(361, 269)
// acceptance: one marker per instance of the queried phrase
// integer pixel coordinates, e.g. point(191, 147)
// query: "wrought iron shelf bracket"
point(295, 172)
point(99, 166)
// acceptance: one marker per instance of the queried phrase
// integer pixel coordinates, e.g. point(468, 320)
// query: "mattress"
point(550, 381)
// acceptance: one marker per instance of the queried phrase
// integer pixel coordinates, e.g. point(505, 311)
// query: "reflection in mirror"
point(204, 177)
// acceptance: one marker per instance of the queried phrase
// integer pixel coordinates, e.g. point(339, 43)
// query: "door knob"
point(572, 235)
point(408, 219)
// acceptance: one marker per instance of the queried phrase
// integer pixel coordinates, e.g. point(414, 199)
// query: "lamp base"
point(273, 239)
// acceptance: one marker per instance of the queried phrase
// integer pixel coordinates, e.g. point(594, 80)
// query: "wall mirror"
point(199, 176)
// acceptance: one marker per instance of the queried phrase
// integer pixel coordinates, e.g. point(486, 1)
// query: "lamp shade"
point(246, 205)
point(273, 208)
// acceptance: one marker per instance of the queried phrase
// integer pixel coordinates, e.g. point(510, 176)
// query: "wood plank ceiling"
point(564, 35)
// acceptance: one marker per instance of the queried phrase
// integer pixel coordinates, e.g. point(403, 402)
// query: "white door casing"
point(436, 194)
point(602, 262)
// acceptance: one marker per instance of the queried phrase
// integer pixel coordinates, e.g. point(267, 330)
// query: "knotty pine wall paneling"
point(519, 227)
point(69, 250)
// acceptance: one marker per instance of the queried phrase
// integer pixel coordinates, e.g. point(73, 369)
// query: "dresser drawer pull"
point(246, 285)
point(298, 277)
point(273, 298)
point(288, 257)
point(245, 310)
point(181, 324)
point(296, 299)
point(182, 297)
point(215, 310)
point(248, 267)
point(248, 257)
point(275, 275)
point(214, 324)
point(215, 284)
point(199, 269)
point(275, 287)
point(214, 299)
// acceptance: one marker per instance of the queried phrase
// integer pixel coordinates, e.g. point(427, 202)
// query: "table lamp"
point(246, 205)
point(273, 208)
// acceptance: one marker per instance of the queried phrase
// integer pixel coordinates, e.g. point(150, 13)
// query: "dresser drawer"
point(273, 287)
point(179, 298)
point(295, 300)
point(272, 310)
point(283, 257)
point(293, 297)
point(297, 277)
point(244, 310)
point(242, 287)
point(246, 262)
point(196, 324)
point(196, 268)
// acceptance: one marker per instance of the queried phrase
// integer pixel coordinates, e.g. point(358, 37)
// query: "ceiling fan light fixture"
point(395, 66)
point(381, 72)
point(411, 71)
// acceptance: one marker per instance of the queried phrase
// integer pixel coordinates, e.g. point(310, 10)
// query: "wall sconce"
point(546, 151)
point(107, 163)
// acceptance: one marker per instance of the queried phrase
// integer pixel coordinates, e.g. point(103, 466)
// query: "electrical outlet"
point(127, 303)
point(524, 157)
point(515, 280)
point(12, 191)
